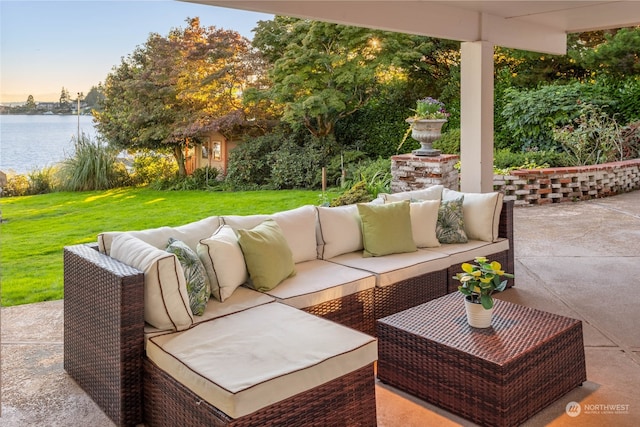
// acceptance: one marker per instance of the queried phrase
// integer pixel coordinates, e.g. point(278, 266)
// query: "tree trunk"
point(178, 153)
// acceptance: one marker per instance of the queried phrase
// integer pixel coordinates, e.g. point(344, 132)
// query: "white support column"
point(476, 117)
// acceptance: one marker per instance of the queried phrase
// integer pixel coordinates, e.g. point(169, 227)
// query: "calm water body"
point(34, 142)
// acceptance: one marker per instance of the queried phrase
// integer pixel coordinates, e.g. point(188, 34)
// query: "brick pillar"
point(409, 172)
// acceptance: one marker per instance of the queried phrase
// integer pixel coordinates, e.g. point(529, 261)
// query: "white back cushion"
point(432, 193)
point(298, 227)
point(157, 237)
point(166, 302)
point(481, 213)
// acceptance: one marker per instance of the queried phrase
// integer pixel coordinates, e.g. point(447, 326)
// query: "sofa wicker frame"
point(104, 343)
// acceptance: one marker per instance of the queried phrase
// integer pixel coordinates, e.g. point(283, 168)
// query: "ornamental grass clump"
point(478, 281)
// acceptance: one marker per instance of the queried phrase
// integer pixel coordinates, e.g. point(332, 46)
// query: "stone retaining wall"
point(568, 184)
point(525, 187)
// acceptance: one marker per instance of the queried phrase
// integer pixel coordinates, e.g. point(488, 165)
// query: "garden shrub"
point(377, 176)
point(506, 159)
point(17, 185)
point(295, 166)
point(42, 181)
point(531, 115)
point(38, 181)
point(279, 160)
point(627, 95)
point(149, 166)
point(370, 178)
point(630, 141)
point(205, 178)
point(592, 138)
point(350, 160)
point(449, 142)
point(358, 193)
point(249, 167)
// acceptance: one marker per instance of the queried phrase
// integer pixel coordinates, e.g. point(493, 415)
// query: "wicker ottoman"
point(498, 376)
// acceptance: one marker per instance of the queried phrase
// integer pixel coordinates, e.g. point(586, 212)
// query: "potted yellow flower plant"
point(478, 282)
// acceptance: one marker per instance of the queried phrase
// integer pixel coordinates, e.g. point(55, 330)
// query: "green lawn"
point(35, 229)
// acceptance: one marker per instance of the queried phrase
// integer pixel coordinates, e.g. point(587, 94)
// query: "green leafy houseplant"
point(478, 281)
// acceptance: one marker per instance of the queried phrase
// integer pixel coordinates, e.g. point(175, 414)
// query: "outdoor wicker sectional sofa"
point(132, 342)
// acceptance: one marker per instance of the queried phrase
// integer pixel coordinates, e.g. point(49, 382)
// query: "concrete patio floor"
point(580, 260)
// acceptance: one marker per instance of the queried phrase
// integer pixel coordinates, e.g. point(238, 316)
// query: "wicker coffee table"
point(498, 376)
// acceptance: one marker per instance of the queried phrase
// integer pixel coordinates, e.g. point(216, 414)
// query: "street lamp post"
point(79, 95)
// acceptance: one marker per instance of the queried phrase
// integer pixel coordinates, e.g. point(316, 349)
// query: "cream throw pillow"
point(481, 213)
point(340, 230)
point(166, 301)
point(223, 261)
point(424, 218)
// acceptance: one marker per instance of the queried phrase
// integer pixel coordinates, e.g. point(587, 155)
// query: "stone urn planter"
point(426, 131)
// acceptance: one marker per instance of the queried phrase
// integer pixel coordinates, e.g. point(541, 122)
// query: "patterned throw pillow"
point(198, 286)
point(450, 226)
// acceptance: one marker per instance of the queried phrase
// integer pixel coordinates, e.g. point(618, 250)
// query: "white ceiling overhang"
point(539, 26)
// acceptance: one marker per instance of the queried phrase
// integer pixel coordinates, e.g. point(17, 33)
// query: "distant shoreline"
point(41, 113)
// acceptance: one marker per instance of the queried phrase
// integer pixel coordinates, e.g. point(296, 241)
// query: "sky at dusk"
point(47, 45)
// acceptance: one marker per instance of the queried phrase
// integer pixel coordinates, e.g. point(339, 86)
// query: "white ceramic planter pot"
point(477, 316)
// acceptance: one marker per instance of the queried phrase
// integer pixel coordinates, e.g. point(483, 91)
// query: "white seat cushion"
point(242, 299)
point(249, 360)
point(464, 252)
point(320, 281)
point(394, 268)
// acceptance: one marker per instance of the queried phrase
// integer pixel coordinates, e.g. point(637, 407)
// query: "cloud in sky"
point(47, 45)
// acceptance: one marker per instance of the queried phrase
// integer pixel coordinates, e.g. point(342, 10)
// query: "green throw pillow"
point(198, 287)
point(386, 229)
point(450, 225)
point(267, 255)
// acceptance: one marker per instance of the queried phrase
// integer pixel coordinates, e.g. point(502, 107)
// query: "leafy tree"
point(617, 55)
point(172, 90)
point(95, 96)
point(65, 100)
point(321, 72)
point(31, 103)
